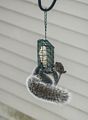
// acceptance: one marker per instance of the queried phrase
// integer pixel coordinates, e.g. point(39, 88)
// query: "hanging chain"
point(45, 23)
point(45, 13)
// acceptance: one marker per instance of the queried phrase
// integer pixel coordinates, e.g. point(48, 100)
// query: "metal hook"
point(46, 9)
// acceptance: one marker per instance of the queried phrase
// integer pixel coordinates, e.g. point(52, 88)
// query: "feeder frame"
point(46, 56)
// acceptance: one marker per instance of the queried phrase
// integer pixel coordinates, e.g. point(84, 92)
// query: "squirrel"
point(58, 68)
point(41, 85)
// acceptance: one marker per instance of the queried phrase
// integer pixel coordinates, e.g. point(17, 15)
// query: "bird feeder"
point(43, 81)
point(45, 55)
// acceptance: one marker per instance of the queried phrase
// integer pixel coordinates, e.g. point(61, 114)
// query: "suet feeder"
point(45, 55)
point(43, 81)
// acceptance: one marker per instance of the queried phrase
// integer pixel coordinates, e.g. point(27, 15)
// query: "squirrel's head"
point(59, 67)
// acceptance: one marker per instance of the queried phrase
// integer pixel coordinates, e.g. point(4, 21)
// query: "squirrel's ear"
point(64, 71)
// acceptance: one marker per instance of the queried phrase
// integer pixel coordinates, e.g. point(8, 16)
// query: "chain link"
point(45, 23)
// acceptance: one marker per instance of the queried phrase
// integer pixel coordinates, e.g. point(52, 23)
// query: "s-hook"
point(46, 9)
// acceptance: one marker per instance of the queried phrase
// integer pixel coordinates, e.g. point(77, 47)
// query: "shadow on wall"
point(13, 114)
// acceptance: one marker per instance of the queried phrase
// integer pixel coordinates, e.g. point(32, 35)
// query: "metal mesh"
point(45, 54)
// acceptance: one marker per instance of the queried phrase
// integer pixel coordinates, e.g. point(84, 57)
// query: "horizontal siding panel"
point(12, 114)
point(16, 60)
point(76, 1)
point(26, 107)
point(74, 69)
point(65, 21)
point(74, 84)
point(66, 81)
point(26, 95)
point(25, 50)
point(3, 118)
point(21, 93)
point(20, 34)
point(14, 100)
point(67, 7)
point(6, 117)
point(77, 52)
point(64, 50)
point(75, 97)
point(13, 73)
point(82, 1)
point(73, 7)
point(27, 66)
point(17, 47)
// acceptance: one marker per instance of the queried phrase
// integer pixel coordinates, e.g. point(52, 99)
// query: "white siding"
point(8, 113)
point(21, 25)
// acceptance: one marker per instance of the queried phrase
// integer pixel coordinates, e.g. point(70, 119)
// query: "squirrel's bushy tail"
point(46, 91)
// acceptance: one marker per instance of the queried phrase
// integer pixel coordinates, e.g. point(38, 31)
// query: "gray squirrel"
point(56, 73)
point(41, 85)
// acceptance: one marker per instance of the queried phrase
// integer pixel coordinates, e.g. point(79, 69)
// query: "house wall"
point(21, 25)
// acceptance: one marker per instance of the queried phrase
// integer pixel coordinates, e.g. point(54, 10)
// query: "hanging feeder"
point(43, 81)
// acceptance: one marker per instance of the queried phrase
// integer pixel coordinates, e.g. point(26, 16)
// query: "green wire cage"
point(45, 55)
